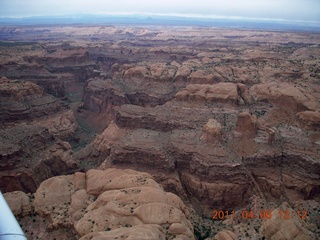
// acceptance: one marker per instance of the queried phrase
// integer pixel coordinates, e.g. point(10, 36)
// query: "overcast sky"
point(303, 10)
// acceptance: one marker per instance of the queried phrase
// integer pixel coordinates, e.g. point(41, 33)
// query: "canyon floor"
point(154, 132)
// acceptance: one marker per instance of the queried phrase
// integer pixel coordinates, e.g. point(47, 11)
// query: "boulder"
point(225, 235)
point(19, 203)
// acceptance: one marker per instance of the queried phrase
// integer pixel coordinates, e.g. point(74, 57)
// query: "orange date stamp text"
point(262, 214)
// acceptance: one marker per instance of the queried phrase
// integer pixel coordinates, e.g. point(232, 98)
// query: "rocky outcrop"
point(220, 92)
point(57, 68)
point(282, 178)
point(212, 131)
point(61, 57)
point(174, 115)
point(55, 86)
point(139, 232)
point(69, 60)
point(19, 203)
point(218, 161)
point(171, 151)
point(247, 125)
point(99, 181)
point(34, 123)
point(104, 96)
point(225, 235)
point(215, 192)
point(53, 67)
point(25, 101)
point(292, 228)
point(286, 95)
point(112, 203)
point(61, 125)
point(27, 169)
point(309, 119)
point(148, 212)
point(133, 117)
point(182, 73)
point(146, 71)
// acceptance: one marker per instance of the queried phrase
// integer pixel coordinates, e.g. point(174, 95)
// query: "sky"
point(292, 10)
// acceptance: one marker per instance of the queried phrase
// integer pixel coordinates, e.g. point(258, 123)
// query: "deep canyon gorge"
point(156, 127)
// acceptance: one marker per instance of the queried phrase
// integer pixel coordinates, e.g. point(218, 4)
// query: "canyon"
point(209, 118)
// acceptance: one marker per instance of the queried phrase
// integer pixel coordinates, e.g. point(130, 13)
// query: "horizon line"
point(178, 15)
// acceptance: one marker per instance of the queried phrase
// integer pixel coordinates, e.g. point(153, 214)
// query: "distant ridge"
point(170, 20)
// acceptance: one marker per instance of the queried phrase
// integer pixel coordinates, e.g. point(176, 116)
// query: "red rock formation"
point(148, 211)
point(286, 95)
point(111, 203)
point(169, 137)
point(309, 118)
point(212, 131)
point(33, 123)
point(247, 125)
point(220, 92)
point(54, 68)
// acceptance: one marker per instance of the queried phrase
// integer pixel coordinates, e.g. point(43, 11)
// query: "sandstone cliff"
point(55, 67)
point(220, 124)
point(33, 125)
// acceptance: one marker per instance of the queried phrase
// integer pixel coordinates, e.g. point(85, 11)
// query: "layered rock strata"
point(217, 147)
point(54, 67)
point(33, 126)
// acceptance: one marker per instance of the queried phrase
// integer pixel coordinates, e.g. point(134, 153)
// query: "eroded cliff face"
point(33, 126)
point(232, 125)
point(222, 152)
point(55, 67)
point(219, 117)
